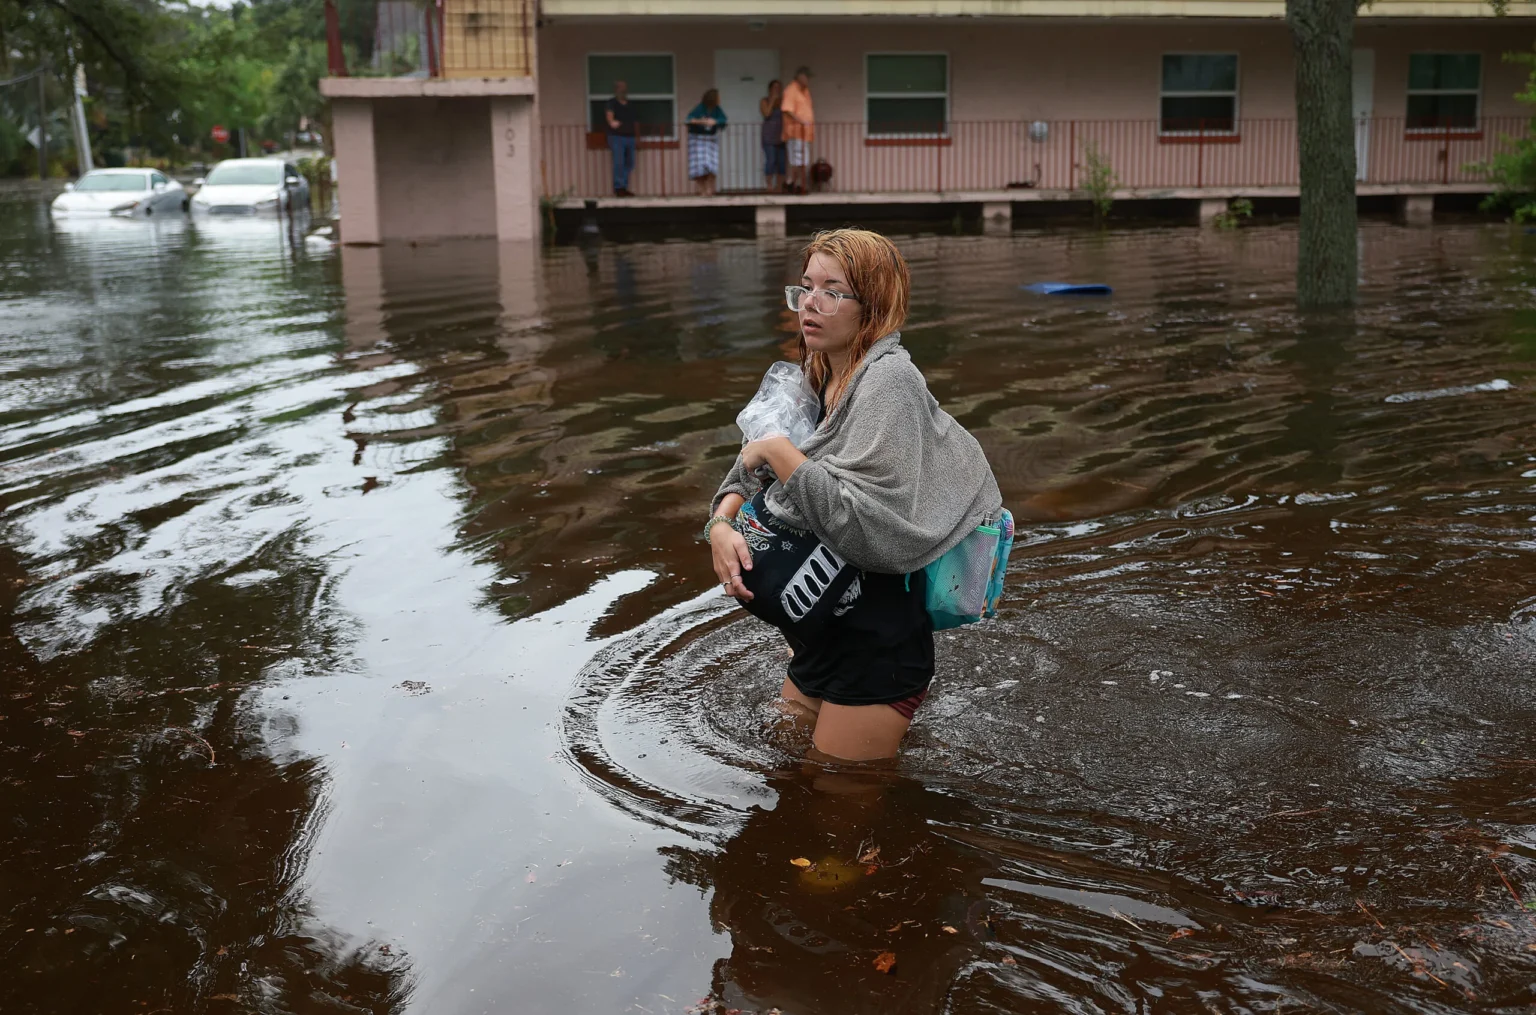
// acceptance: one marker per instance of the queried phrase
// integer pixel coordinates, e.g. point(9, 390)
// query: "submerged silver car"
point(125, 193)
point(251, 187)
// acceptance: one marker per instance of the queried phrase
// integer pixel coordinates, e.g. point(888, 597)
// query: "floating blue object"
point(1068, 288)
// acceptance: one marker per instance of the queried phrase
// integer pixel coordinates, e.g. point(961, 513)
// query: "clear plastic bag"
point(784, 406)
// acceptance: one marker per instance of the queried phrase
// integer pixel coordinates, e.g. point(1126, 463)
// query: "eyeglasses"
point(822, 301)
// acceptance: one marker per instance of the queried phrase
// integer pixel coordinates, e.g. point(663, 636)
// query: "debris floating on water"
point(1497, 384)
point(1068, 288)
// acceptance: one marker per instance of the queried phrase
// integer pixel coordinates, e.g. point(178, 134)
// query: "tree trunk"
point(1323, 34)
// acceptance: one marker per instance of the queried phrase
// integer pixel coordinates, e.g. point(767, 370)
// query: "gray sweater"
point(892, 481)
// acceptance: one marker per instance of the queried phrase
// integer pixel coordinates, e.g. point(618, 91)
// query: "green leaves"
point(161, 73)
point(1514, 168)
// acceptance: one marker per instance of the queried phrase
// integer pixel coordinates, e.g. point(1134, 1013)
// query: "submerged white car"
point(251, 186)
point(126, 193)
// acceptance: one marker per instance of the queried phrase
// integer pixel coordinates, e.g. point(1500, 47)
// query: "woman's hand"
point(777, 452)
point(731, 557)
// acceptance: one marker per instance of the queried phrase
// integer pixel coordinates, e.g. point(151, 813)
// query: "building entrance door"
point(742, 76)
point(1364, 89)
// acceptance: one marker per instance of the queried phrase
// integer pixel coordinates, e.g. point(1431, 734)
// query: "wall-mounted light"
point(1039, 130)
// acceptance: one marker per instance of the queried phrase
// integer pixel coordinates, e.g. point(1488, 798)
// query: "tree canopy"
point(162, 73)
point(1514, 169)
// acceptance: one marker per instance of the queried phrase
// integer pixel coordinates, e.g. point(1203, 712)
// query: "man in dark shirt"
point(623, 130)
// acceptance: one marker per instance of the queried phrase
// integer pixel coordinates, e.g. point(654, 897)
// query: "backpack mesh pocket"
point(966, 583)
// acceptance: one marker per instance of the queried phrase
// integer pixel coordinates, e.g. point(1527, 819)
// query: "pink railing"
point(999, 155)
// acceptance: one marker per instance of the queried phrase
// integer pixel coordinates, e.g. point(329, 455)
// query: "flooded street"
point(358, 654)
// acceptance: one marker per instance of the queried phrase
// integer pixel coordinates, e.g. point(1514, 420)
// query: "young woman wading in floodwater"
point(888, 483)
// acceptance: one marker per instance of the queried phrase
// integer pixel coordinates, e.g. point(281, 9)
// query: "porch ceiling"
point(1013, 8)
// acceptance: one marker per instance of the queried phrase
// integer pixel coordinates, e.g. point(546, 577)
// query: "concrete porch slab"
point(424, 88)
point(1022, 195)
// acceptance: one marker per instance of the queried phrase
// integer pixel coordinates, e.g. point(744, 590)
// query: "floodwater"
point(357, 653)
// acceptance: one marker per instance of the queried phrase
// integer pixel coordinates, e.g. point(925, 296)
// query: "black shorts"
point(878, 652)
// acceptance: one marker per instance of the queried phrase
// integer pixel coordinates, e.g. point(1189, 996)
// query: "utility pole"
point(77, 122)
point(42, 119)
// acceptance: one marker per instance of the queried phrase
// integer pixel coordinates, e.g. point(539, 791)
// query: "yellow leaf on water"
point(885, 962)
point(800, 861)
point(950, 930)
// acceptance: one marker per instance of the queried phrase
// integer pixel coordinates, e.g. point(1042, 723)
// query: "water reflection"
point(157, 847)
point(879, 891)
point(360, 649)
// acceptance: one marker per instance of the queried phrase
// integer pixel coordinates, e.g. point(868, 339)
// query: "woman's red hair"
point(878, 275)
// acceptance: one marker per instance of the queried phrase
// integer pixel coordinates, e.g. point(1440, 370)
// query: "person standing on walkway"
point(705, 122)
point(799, 129)
point(769, 109)
point(623, 122)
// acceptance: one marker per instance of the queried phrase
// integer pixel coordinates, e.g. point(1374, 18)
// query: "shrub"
point(1514, 171)
point(1238, 209)
point(1100, 181)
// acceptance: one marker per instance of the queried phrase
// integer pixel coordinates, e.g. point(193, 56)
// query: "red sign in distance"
point(220, 134)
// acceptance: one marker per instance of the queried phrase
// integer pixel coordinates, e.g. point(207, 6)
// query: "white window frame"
point(1477, 117)
point(586, 112)
point(1235, 93)
point(909, 136)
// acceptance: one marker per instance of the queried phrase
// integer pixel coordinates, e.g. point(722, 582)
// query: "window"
point(651, 90)
point(1199, 93)
point(1443, 90)
point(111, 181)
point(245, 173)
point(159, 180)
point(906, 95)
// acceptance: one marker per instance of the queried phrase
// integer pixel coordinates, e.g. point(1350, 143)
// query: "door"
point(161, 195)
point(1364, 91)
point(742, 76)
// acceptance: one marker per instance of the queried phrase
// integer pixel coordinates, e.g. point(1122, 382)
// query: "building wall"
point(435, 168)
point(1008, 8)
point(1021, 69)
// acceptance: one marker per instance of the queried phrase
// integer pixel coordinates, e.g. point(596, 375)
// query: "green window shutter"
point(1444, 72)
point(1200, 72)
point(658, 117)
point(1430, 111)
point(925, 116)
point(1191, 114)
point(889, 73)
point(645, 74)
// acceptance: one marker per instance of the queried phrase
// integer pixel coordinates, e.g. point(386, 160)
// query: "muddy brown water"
point(358, 654)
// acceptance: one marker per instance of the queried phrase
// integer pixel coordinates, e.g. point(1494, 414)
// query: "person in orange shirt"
point(799, 129)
